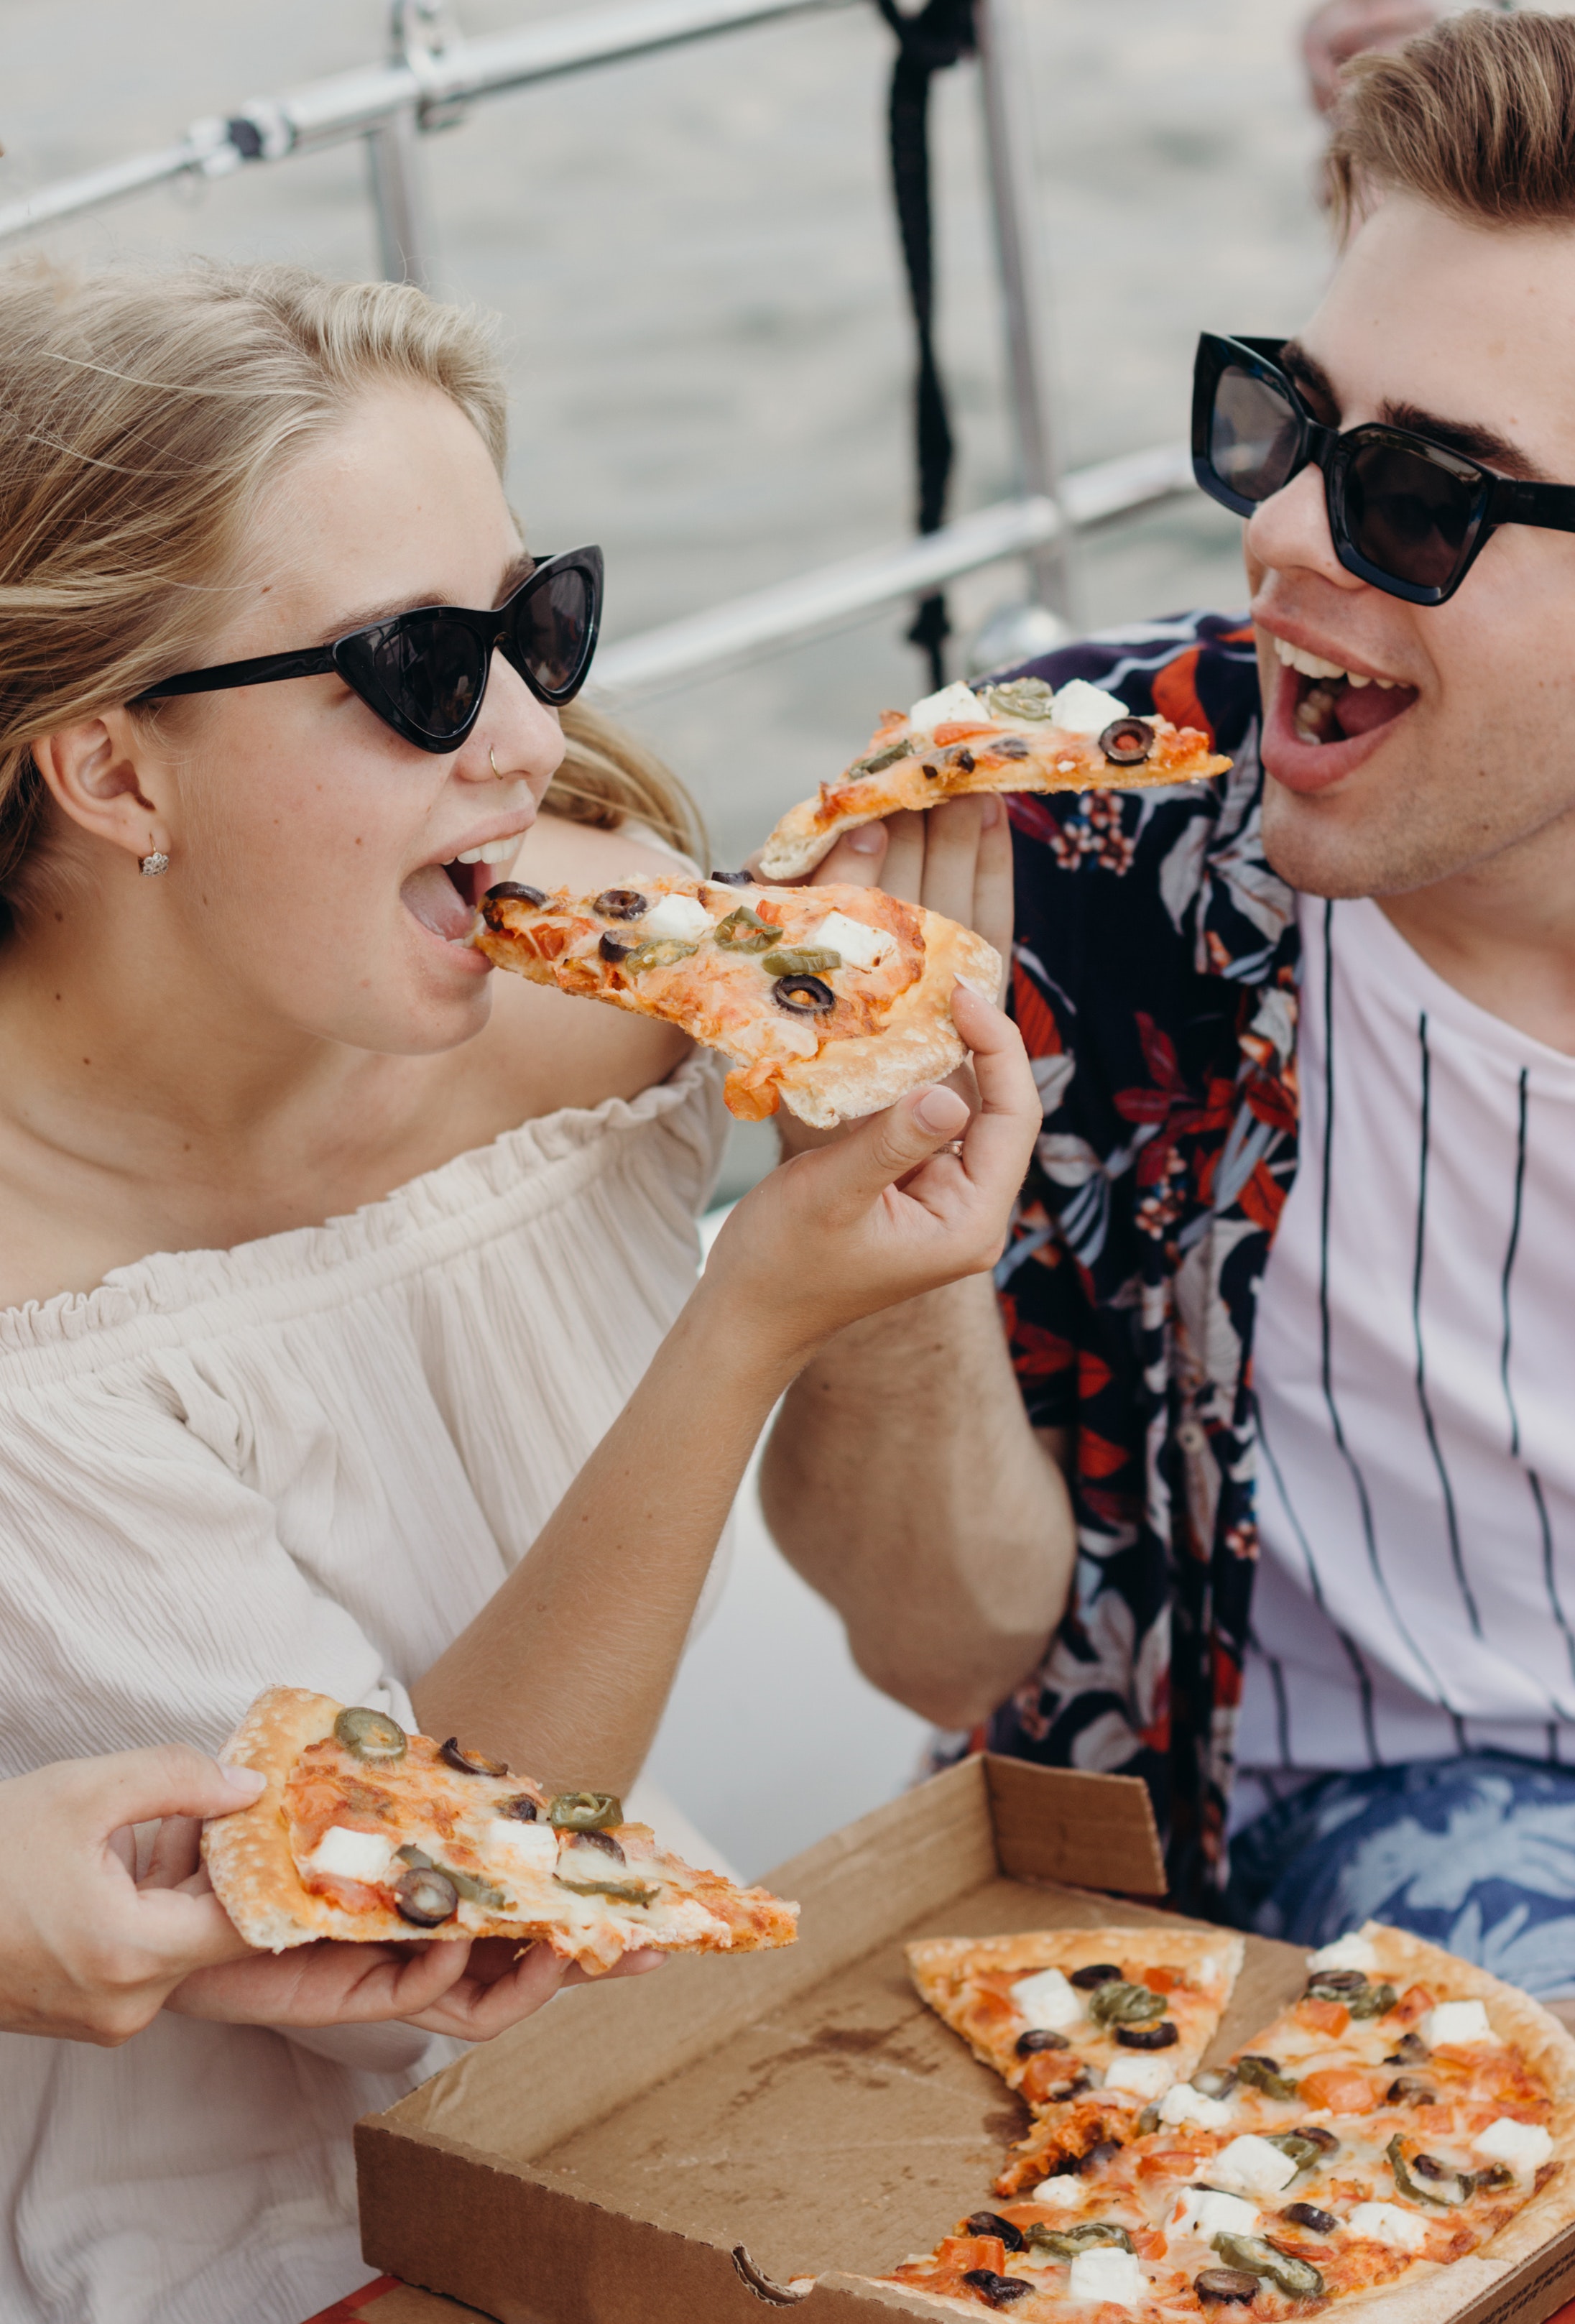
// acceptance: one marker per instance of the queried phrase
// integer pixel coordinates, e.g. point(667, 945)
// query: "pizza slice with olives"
point(369, 1834)
point(1015, 737)
point(1062, 2013)
point(833, 1001)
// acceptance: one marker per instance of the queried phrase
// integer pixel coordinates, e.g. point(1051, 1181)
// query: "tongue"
point(432, 897)
point(1358, 709)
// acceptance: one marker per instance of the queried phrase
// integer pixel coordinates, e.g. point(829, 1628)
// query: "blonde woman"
point(348, 1328)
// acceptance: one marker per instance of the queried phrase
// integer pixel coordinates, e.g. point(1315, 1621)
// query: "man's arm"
point(902, 1478)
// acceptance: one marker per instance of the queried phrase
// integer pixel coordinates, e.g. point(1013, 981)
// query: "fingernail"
point(248, 1781)
point(867, 840)
point(935, 1110)
point(989, 813)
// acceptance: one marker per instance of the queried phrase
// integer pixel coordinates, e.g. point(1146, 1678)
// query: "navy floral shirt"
point(1154, 983)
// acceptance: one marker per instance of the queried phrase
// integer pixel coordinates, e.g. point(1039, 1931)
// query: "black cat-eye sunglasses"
point(424, 672)
point(1406, 514)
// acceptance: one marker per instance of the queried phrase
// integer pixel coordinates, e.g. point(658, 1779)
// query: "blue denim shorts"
point(1477, 1855)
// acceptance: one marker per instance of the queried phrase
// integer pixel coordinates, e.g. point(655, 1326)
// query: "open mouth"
point(1332, 705)
point(443, 896)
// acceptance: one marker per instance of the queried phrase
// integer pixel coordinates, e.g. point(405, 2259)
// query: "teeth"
point(496, 851)
point(1311, 664)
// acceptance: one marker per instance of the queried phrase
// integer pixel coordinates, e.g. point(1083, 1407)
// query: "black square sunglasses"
point(424, 672)
point(1405, 514)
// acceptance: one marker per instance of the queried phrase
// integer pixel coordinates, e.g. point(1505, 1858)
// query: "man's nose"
point(1290, 531)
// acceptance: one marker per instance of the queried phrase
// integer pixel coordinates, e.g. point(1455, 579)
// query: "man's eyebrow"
point(518, 569)
point(1467, 437)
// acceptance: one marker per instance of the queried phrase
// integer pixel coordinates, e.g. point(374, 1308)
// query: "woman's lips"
point(1361, 714)
point(431, 896)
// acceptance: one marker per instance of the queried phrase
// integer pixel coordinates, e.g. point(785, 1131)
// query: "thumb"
point(887, 1146)
point(169, 1780)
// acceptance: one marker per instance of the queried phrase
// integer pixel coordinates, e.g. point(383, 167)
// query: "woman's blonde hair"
point(143, 419)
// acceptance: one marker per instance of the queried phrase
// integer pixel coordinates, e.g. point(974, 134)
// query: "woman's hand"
point(900, 1203)
point(90, 1953)
point(473, 1989)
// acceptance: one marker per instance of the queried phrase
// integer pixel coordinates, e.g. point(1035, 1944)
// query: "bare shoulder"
point(564, 1052)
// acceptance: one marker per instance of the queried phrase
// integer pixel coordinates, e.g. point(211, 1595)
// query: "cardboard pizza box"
point(674, 2149)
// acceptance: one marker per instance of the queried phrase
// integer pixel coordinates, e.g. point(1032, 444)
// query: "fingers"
point(175, 1853)
point(886, 1146)
point(171, 1779)
point(856, 860)
point(951, 862)
point(1000, 1141)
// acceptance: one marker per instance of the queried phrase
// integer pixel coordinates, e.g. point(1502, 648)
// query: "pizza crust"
point(248, 1854)
point(918, 1044)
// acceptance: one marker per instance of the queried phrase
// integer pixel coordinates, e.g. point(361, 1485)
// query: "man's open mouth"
point(443, 896)
point(1332, 705)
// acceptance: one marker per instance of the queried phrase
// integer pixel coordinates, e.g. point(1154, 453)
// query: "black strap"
point(928, 43)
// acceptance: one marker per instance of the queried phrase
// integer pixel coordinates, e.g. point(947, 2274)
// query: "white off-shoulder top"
point(310, 1460)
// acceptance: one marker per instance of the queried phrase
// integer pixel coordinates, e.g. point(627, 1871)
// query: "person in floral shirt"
point(1289, 1293)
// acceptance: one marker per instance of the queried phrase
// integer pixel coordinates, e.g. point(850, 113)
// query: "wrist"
point(740, 1338)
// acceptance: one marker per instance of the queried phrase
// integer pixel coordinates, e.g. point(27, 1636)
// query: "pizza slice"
point(369, 1834)
point(1115, 2016)
point(835, 1000)
point(1015, 737)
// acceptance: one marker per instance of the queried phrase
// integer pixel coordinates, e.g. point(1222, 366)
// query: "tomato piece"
point(1342, 2090)
point(1329, 2018)
point(1414, 2003)
point(964, 2252)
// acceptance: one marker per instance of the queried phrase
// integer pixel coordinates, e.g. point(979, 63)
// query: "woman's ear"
point(95, 774)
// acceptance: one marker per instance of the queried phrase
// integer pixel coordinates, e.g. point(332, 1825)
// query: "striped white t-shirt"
point(1414, 1363)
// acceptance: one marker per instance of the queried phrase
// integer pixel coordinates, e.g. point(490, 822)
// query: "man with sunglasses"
point(1291, 1290)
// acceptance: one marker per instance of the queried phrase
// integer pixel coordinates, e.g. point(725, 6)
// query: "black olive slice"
point(1101, 2152)
point(990, 2223)
point(999, 2290)
point(1127, 742)
point(469, 1763)
point(1070, 2089)
point(1309, 2216)
point(524, 1809)
point(1149, 2037)
point(604, 1841)
point(1009, 746)
point(622, 904)
point(732, 880)
point(803, 996)
point(1096, 1973)
point(1225, 2285)
point(1409, 2090)
point(513, 891)
point(963, 758)
point(1428, 2166)
point(1330, 1983)
point(426, 1896)
point(615, 947)
point(1039, 2037)
point(371, 1735)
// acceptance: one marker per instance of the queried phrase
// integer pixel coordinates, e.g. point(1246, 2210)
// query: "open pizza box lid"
point(674, 2149)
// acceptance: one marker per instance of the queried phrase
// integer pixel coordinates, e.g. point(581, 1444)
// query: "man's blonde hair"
point(1476, 116)
point(143, 417)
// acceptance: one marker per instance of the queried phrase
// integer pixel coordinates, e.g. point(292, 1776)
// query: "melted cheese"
point(1386, 2223)
point(953, 705)
point(1204, 2212)
point(1139, 2077)
point(1047, 2001)
point(521, 1847)
point(1522, 2145)
point(1107, 2274)
point(1184, 2104)
point(684, 916)
point(1064, 2193)
point(1253, 2165)
point(1346, 1952)
point(1456, 2021)
point(351, 1855)
point(861, 946)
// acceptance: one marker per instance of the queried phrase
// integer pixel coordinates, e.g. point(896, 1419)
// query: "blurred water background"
point(695, 271)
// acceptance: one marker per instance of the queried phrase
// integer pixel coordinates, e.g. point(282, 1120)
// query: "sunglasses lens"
point(429, 670)
point(1408, 515)
point(1253, 434)
point(555, 629)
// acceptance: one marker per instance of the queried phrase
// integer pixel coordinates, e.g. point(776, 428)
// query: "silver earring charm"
point(150, 866)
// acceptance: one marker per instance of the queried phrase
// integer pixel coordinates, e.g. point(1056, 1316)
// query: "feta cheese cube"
point(1354, 1951)
point(1253, 2165)
point(684, 916)
point(1184, 2104)
point(1139, 2077)
point(1046, 2000)
point(953, 705)
point(1081, 708)
point(861, 946)
point(526, 1846)
point(1064, 2193)
point(1386, 2223)
point(1108, 2273)
point(1524, 2145)
point(351, 1855)
point(1456, 2021)
point(1203, 2211)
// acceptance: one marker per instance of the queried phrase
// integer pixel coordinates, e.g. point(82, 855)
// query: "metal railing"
point(428, 81)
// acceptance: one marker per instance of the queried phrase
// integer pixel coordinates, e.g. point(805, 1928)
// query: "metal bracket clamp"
point(425, 38)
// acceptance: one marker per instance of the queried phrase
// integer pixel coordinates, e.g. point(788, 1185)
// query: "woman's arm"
point(566, 1671)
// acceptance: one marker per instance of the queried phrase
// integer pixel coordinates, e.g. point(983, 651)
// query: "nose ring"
point(497, 770)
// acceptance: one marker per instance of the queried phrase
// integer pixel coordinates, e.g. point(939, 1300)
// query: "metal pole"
point(1014, 202)
point(395, 168)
